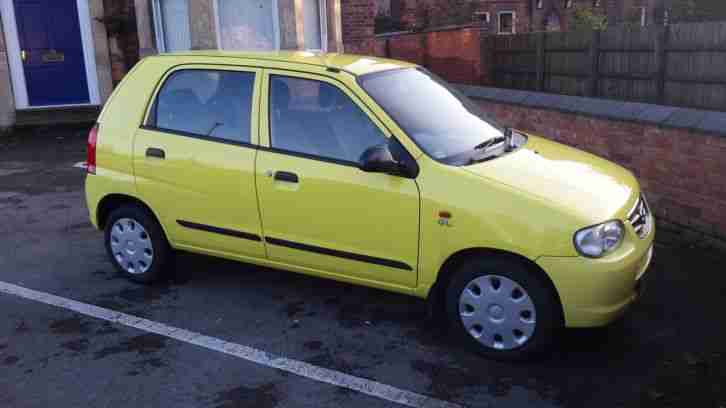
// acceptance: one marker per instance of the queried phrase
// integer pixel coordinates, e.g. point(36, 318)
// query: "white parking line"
point(303, 369)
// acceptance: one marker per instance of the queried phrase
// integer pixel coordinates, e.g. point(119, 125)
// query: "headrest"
point(280, 94)
point(328, 96)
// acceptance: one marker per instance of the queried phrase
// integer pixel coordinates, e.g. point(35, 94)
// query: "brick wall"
point(682, 171)
point(358, 23)
point(461, 63)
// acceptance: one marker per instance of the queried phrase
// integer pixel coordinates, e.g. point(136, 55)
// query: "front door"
point(319, 210)
point(52, 52)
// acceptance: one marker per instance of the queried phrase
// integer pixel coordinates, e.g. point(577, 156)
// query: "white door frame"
point(324, 25)
point(17, 72)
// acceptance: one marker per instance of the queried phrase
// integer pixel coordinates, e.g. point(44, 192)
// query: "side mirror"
point(378, 159)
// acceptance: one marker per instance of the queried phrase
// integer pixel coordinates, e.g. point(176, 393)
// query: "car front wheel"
point(502, 309)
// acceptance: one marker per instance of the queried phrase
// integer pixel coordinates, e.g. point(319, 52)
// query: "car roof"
point(353, 64)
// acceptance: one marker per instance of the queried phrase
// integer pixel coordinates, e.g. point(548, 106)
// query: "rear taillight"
point(91, 150)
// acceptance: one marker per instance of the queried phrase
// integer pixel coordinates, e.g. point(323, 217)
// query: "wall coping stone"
point(712, 122)
point(453, 27)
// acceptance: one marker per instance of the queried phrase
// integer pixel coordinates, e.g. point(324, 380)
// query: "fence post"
point(541, 61)
point(424, 44)
point(661, 56)
point(387, 48)
point(593, 87)
point(489, 56)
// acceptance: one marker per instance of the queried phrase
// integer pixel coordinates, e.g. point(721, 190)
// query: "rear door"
point(194, 159)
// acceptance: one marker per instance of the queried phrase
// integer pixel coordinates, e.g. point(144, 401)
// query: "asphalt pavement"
point(669, 350)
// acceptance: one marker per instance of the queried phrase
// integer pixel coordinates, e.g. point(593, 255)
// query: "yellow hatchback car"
point(369, 171)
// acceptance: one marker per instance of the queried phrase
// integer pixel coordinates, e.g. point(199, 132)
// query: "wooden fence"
point(681, 65)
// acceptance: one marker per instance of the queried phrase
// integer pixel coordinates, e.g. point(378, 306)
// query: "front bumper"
point(594, 292)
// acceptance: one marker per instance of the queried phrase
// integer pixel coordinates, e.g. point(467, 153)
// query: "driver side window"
point(318, 119)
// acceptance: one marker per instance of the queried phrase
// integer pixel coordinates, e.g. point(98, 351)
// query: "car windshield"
point(444, 123)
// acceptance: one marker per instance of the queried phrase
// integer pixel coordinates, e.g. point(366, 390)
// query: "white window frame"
point(17, 71)
point(275, 24)
point(499, 22)
point(159, 26)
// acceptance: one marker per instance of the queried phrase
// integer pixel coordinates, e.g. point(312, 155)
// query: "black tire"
point(547, 306)
point(162, 253)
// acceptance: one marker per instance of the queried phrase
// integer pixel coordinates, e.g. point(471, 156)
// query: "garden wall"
point(678, 154)
point(453, 53)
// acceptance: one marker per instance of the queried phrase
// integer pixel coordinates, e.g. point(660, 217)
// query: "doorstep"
point(56, 116)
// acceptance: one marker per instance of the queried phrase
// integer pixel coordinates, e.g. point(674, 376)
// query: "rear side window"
point(215, 104)
point(318, 119)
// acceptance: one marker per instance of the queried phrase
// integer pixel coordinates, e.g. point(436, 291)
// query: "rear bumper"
point(93, 197)
point(594, 292)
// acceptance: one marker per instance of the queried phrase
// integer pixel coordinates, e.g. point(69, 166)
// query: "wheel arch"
point(111, 202)
point(437, 293)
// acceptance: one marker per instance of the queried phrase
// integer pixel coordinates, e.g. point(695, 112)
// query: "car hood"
point(584, 185)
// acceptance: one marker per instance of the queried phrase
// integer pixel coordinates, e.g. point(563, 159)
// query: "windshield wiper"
point(489, 143)
point(495, 140)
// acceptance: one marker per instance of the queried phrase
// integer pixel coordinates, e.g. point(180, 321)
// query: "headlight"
point(598, 240)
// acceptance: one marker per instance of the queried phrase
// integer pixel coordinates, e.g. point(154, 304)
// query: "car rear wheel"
point(136, 244)
point(502, 309)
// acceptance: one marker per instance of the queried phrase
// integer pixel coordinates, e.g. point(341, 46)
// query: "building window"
point(596, 3)
point(643, 16)
point(314, 28)
point(482, 17)
point(506, 22)
point(247, 25)
point(171, 24)
point(568, 3)
point(540, 4)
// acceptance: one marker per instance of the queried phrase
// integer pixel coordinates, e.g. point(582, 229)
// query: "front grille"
point(639, 217)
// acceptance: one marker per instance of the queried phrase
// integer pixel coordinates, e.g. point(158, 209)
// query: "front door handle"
point(154, 152)
point(286, 176)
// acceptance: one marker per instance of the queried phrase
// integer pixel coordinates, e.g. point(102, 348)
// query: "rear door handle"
point(286, 176)
point(154, 152)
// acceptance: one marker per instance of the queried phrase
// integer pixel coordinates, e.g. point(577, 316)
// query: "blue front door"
point(52, 52)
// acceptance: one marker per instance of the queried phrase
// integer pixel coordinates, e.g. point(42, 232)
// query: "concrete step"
point(55, 116)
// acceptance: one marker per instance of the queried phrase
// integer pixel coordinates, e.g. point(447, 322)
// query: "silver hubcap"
point(497, 312)
point(131, 246)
